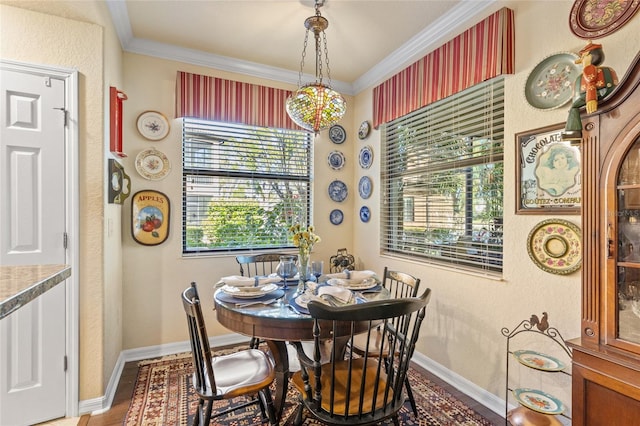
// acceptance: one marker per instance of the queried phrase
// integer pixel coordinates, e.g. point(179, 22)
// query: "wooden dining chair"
point(260, 264)
point(359, 390)
point(399, 284)
point(242, 373)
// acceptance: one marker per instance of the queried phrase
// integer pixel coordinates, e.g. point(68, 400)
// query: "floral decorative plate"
point(337, 134)
point(365, 214)
point(366, 157)
point(338, 190)
point(336, 160)
point(365, 186)
point(554, 245)
point(591, 19)
point(539, 401)
point(153, 125)
point(152, 164)
point(364, 130)
point(550, 84)
point(539, 361)
point(336, 216)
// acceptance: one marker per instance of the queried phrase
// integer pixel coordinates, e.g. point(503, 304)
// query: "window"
point(443, 176)
point(243, 186)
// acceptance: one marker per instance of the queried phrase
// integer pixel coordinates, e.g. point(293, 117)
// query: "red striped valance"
point(482, 52)
point(210, 98)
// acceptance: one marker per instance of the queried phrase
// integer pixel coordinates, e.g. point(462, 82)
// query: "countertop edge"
point(34, 290)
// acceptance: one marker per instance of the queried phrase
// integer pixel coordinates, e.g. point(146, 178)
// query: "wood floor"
point(115, 416)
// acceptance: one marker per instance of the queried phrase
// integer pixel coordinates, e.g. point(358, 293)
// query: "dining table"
point(279, 321)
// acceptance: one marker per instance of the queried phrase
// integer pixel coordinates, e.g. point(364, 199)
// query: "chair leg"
point(207, 417)
point(267, 402)
point(297, 421)
point(396, 421)
point(412, 401)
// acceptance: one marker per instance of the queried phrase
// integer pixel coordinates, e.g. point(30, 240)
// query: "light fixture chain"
point(326, 55)
point(304, 54)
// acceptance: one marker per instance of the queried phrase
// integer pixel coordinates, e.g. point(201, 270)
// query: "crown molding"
point(422, 43)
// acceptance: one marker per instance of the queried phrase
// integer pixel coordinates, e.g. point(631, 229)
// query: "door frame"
point(70, 77)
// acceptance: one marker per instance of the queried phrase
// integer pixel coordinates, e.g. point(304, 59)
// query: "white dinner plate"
point(353, 284)
point(249, 292)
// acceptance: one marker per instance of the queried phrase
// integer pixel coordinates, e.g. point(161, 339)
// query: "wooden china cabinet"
point(606, 356)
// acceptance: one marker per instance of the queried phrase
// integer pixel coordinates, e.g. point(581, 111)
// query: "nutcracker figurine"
point(594, 84)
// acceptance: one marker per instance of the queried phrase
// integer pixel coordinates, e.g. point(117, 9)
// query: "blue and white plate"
point(366, 157)
point(365, 214)
point(336, 216)
point(365, 186)
point(337, 134)
point(364, 129)
point(338, 190)
point(336, 160)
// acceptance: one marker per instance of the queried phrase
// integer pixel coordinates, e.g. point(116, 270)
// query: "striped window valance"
point(217, 99)
point(482, 52)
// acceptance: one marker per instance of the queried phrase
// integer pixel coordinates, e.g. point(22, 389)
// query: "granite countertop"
point(21, 284)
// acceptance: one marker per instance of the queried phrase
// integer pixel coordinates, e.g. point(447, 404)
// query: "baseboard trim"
point(100, 405)
point(489, 400)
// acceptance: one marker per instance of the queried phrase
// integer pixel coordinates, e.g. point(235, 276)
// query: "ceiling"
point(367, 40)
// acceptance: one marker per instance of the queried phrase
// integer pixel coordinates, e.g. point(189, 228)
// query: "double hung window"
point(243, 186)
point(442, 176)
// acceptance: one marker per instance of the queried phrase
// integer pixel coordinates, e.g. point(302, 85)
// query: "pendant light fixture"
point(316, 106)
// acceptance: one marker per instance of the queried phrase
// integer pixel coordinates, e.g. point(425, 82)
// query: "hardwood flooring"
point(115, 416)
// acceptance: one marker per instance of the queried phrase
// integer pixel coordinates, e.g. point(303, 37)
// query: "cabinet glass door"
point(628, 262)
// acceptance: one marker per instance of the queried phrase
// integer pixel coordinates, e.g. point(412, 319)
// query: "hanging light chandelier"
point(316, 106)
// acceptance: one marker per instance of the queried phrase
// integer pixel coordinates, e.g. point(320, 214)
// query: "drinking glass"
point(316, 268)
point(286, 269)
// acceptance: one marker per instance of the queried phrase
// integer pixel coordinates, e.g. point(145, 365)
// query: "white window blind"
point(243, 186)
point(444, 162)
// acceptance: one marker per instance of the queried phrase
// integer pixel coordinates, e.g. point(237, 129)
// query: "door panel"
point(32, 228)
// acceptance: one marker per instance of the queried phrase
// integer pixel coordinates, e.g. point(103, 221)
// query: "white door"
point(32, 231)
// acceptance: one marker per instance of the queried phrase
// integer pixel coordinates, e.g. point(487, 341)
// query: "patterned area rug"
point(163, 396)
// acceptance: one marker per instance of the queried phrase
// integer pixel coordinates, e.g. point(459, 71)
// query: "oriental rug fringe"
point(163, 396)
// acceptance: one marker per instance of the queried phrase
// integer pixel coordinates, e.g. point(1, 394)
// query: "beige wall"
point(139, 307)
point(80, 37)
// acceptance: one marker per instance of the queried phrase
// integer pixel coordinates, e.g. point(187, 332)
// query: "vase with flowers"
point(304, 239)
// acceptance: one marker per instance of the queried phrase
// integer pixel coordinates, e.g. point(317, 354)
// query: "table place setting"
point(328, 294)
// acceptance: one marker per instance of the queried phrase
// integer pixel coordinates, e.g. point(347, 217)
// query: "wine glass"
point(316, 268)
point(286, 269)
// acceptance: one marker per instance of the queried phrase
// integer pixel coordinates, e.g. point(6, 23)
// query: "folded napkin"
point(240, 281)
point(352, 275)
point(342, 294)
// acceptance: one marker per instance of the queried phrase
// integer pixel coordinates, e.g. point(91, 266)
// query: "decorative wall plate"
point(336, 160)
point(337, 134)
point(152, 164)
point(539, 401)
point(364, 130)
point(550, 84)
point(365, 214)
point(366, 157)
point(591, 19)
point(554, 245)
point(365, 186)
point(539, 361)
point(153, 125)
point(150, 211)
point(336, 216)
point(338, 190)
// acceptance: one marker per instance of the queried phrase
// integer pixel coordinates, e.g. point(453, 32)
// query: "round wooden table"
point(276, 324)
